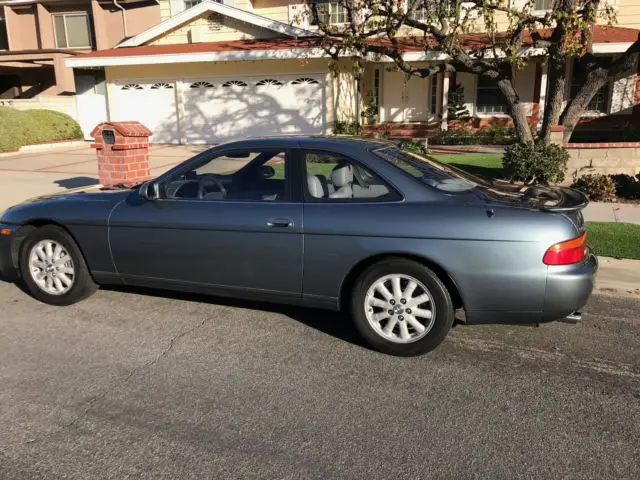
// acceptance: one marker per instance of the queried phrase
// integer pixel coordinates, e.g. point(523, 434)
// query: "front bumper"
point(568, 288)
point(8, 271)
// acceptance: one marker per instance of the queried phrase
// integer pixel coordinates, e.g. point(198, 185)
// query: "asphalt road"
point(132, 385)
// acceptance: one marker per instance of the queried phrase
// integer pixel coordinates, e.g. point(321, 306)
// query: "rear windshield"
point(435, 174)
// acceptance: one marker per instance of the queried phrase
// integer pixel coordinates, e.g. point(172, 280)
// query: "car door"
point(193, 234)
point(346, 210)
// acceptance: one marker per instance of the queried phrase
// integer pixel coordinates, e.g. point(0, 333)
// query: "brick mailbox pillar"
point(122, 149)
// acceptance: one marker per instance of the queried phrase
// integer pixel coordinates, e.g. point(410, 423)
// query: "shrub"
point(535, 162)
point(598, 187)
point(627, 186)
point(497, 134)
point(493, 134)
point(457, 135)
point(417, 147)
point(346, 128)
point(28, 127)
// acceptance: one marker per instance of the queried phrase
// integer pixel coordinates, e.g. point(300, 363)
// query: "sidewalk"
point(618, 277)
point(612, 212)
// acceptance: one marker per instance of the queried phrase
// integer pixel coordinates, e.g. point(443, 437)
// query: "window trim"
point(199, 161)
point(492, 113)
point(79, 13)
point(307, 198)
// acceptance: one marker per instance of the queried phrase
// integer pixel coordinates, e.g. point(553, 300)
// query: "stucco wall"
point(22, 29)
point(59, 104)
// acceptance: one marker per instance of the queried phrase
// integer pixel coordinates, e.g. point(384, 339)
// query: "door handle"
point(279, 223)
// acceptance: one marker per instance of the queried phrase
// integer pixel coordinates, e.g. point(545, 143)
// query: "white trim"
point(619, 47)
point(228, 56)
point(209, 6)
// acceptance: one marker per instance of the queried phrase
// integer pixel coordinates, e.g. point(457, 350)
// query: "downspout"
point(124, 17)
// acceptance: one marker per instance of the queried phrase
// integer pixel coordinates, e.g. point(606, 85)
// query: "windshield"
point(436, 174)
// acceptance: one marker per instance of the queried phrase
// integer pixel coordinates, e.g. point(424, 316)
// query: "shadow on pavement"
point(332, 323)
point(76, 182)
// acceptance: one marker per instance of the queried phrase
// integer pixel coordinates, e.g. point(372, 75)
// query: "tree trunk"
point(556, 81)
point(577, 105)
point(517, 110)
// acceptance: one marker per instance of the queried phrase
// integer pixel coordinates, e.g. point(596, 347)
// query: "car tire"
point(53, 268)
point(401, 325)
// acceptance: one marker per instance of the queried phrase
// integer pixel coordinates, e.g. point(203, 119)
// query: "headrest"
point(342, 176)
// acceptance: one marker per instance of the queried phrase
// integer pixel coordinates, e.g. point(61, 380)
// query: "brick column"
point(122, 151)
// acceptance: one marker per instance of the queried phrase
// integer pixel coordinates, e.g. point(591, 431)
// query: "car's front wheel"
point(401, 307)
point(53, 268)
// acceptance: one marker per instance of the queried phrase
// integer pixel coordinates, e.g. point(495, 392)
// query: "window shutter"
point(177, 6)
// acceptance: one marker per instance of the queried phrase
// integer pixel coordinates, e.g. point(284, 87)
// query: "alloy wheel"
point(400, 308)
point(51, 267)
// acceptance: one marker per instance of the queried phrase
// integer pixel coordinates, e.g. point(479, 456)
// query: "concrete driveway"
point(29, 174)
point(129, 384)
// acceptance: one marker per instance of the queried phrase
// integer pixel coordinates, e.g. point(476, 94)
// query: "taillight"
point(566, 253)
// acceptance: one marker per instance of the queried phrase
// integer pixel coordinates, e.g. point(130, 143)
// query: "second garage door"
point(221, 109)
point(152, 104)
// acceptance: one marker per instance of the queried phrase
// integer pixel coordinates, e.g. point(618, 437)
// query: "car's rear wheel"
point(401, 307)
point(53, 268)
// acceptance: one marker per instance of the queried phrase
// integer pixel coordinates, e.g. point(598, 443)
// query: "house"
point(212, 71)
point(36, 37)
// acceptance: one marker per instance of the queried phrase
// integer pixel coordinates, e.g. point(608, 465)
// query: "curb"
point(44, 147)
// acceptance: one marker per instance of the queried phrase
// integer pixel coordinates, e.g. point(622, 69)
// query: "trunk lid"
point(563, 200)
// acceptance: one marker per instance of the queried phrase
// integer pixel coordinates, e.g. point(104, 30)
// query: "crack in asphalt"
point(114, 385)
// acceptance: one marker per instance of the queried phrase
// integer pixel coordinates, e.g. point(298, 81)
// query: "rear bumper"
point(7, 269)
point(568, 288)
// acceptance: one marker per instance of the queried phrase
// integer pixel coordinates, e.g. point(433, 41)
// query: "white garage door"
point(152, 104)
point(221, 109)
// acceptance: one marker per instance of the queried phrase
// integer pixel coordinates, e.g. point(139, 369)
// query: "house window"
point(434, 95)
point(72, 30)
point(332, 13)
point(4, 44)
point(376, 87)
point(600, 101)
point(489, 99)
point(419, 14)
point(543, 5)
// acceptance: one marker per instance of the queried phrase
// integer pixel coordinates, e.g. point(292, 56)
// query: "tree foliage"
point(493, 38)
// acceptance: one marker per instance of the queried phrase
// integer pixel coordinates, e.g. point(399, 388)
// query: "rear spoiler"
point(571, 201)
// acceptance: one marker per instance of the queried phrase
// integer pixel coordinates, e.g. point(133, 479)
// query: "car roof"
point(315, 140)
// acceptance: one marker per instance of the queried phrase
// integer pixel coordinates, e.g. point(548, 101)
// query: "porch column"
point(445, 100)
point(543, 92)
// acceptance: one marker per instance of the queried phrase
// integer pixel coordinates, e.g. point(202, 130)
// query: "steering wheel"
point(207, 181)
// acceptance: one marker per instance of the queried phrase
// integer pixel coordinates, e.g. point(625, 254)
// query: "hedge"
point(29, 127)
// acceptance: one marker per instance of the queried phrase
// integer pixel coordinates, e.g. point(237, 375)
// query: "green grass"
point(488, 165)
point(28, 127)
point(620, 240)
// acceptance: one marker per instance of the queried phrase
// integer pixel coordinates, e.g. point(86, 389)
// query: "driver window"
point(246, 175)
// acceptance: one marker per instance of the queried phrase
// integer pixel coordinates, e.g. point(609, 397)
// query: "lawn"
point(483, 164)
point(620, 240)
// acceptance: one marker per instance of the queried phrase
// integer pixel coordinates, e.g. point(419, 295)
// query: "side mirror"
point(267, 171)
point(150, 191)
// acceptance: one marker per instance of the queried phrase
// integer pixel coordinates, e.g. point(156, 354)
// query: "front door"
point(226, 221)
point(405, 99)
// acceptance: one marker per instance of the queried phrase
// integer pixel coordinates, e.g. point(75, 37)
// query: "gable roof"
point(186, 16)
